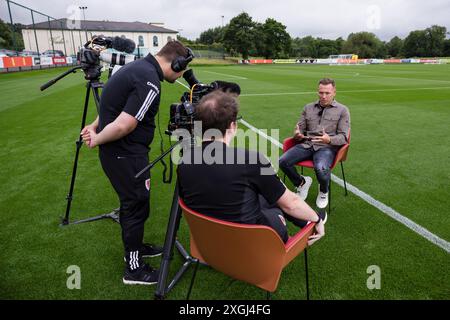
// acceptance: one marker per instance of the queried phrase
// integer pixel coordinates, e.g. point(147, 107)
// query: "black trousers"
point(274, 217)
point(134, 195)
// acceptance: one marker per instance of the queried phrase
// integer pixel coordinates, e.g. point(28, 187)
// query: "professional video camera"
point(182, 115)
point(92, 52)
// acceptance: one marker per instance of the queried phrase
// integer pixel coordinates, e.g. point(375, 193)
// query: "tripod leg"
point(172, 228)
point(79, 143)
point(95, 87)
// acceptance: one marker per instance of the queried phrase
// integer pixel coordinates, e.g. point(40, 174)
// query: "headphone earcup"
point(180, 63)
point(177, 65)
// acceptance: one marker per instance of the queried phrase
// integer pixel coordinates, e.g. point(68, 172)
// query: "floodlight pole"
point(84, 19)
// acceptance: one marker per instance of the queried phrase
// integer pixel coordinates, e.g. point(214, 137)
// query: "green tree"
point(185, 41)
point(6, 36)
point(316, 47)
point(435, 36)
point(239, 36)
point(273, 39)
point(6, 40)
point(259, 40)
point(212, 35)
point(328, 47)
point(446, 48)
point(306, 47)
point(365, 45)
point(426, 43)
point(394, 47)
point(415, 44)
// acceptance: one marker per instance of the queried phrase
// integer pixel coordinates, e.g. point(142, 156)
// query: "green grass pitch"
point(399, 154)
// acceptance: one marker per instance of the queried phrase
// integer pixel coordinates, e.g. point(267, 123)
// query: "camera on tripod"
point(182, 115)
point(92, 53)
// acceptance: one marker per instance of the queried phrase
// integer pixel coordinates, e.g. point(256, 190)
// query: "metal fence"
point(38, 39)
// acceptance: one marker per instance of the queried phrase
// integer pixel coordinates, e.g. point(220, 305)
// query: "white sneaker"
point(322, 200)
point(302, 190)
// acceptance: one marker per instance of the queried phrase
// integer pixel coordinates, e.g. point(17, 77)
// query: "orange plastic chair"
point(251, 253)
point(341, 156)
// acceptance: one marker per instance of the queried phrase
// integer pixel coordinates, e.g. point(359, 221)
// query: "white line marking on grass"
point(184, 85)
point(370, 200)
point(228, 75)
point(340, 91)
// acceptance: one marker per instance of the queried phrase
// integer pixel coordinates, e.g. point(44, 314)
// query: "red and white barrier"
point(19, 62)
point(16, 62)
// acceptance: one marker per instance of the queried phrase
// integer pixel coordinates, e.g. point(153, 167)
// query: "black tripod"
point(162, 288)
point(93, 85)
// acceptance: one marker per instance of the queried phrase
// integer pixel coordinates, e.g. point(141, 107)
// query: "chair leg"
point(343, 176)
point(329, 198)
point(193, 278)
point(306, 273)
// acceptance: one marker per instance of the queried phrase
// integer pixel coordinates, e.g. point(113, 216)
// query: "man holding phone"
point(322, 128)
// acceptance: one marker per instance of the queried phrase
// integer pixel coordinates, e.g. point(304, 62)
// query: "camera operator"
point(124, 131)
point(234, 190)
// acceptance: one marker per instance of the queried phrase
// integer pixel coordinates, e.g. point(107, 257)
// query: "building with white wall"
point(69, 35)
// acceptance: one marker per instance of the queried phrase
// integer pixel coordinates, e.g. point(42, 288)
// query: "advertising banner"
point(59, 60)
point(15, 62)
point(284, 61)
point(260, 61)
point(46, 61)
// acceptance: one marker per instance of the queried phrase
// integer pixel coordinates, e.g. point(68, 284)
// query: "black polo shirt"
point(226, 183)
point(134, 89)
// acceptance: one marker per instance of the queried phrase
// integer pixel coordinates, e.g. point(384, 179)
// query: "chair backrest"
point(251, 253)
point(341, 155)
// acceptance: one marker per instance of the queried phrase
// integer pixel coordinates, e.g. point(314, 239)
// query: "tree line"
point(270, 39)
point(245, 37)
point(6, 36)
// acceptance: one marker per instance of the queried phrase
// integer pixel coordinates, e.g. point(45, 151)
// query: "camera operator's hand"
point(324, 138)
point(86, 132)
point(92, 142)
point(89, 137)
point(320, 232)
point(320, 227)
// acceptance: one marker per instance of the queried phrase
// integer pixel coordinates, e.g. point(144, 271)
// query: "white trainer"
point(322, 200)
point(302, 190)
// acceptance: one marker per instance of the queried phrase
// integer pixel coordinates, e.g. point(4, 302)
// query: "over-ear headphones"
point(180, 63)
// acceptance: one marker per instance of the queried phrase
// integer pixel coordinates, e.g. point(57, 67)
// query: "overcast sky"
point(324, 18)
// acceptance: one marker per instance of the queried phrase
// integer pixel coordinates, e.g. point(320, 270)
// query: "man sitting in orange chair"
point(237, 185)
point(322, 128)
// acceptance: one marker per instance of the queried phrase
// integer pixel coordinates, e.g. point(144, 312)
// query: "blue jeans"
point(322, 159)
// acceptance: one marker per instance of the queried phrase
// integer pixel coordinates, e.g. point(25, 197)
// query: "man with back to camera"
point(322, 128)
point(234, 187)
point(123, 131)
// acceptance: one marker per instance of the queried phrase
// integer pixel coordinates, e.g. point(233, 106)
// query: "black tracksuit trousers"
point(134, 195)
